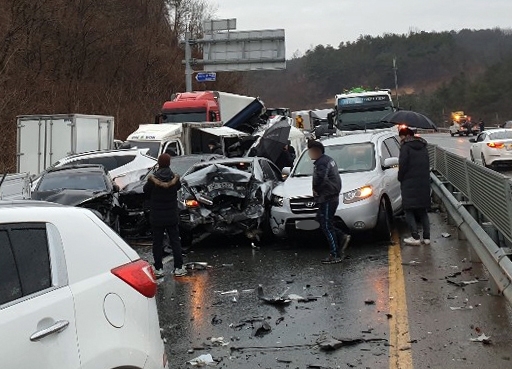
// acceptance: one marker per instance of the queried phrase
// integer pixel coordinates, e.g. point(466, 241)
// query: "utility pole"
point(395, 69)
point(188, 60)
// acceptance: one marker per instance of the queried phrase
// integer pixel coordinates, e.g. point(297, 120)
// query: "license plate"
point(307, 225)
point(220, 186)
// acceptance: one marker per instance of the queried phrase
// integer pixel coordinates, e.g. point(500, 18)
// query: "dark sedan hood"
point(67, 196)
point(134, 188)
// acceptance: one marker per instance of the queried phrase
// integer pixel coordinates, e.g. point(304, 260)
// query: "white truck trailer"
point(44, 139)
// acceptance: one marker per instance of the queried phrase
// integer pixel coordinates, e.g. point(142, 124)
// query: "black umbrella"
point(410, 118)
point(274, 140)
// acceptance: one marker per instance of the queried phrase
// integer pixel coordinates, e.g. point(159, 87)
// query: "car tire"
point(383, 228)
point(452, 134)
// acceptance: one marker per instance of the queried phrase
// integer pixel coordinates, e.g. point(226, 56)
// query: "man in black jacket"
point(414, 177)
point(162, 191)
point(326, 191)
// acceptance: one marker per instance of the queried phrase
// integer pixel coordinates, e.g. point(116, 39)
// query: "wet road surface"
point(409, 325)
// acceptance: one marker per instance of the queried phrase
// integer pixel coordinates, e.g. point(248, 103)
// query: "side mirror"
point(390, 163)
point(472, 140)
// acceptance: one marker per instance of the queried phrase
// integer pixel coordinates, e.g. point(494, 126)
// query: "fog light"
point(359, 225)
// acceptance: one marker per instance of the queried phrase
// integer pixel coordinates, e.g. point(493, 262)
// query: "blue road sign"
point(206, 77)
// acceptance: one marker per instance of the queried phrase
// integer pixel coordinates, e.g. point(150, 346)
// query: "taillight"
point(139, 275)
point(192, 203)
point(496, 145)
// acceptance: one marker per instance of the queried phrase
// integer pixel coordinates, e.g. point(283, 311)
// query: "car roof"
point(79, 167)
point(358, 138)
point(498, 130)
point(99, 153)
point(9, 204)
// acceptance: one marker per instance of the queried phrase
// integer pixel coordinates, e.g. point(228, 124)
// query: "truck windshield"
point(154, 147)
point(180, 117)
point(350, 158)
point(364, 118)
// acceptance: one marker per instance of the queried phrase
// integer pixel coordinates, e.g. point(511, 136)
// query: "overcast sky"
point(309, 22)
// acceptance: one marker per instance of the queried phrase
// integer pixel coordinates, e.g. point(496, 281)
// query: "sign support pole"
point(188, 68)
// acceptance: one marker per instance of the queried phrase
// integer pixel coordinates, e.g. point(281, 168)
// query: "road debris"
point(453, 275)
point(446, 235)
point(218, 341)
point(328, 343)
point(412, 263)
point(202, 360)
point(467, 307)
point(299, 298)
point(279, 320)
point(284, 361)
point(486, 340)
point(229, 293)
point(278, 300)
point(369, 302)
point(462, 283)
point(261, 329)
point(389, 316)
point(196, 265)
point(216, 321)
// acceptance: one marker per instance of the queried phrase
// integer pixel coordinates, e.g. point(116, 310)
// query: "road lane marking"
point(400, 356)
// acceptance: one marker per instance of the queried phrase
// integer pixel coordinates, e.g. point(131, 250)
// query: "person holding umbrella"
point(414, 177)
point(326, 191)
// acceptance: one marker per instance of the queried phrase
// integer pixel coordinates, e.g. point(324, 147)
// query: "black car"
point(135, 211)
point(86, 186)
point(230, 197)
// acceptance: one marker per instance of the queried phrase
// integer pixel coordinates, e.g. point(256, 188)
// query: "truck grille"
point(303, 205)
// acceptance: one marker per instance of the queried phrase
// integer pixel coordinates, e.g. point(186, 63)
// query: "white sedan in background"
point(492, 148)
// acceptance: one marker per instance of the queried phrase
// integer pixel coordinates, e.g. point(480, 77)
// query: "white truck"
point(15, 186)
point(183, 138)
point(44, 139)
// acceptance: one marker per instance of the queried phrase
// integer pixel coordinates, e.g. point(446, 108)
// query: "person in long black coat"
point(414, 177)
point(162, 191)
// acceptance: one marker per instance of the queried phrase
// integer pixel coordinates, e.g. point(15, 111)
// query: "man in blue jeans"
point(326, 190)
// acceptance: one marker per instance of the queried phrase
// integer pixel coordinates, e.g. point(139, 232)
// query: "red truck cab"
point(198, 106)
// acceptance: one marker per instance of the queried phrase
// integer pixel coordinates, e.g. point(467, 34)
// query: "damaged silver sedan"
point(229, 197)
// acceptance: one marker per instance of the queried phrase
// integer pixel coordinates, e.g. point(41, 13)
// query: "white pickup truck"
point(15, 186)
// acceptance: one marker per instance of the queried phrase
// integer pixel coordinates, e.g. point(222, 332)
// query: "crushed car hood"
point(67, 196)
point(134, 188)
point(209, 174)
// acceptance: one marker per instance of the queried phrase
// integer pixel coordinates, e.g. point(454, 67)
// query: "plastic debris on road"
point(486, 340)
point(218, 341)
point(278, 300)
point(446, 235)
point(261, 329)
point(202, 360)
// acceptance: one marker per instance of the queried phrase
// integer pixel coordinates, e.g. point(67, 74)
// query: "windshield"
point(360, 119)
point(350, 158)
point(72, 180)
point(501, 135)
point(154, 147)
point(199, 116)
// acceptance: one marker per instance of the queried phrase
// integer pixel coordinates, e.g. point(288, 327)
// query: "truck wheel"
point(383, 228)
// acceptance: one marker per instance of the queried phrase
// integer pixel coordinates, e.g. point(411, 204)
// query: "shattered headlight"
point(277, 200)
point(357, 195)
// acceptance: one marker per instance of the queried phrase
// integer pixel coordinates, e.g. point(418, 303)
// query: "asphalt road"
point(409, 325)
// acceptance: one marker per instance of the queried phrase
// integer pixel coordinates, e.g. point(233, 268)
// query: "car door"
point(37, 323)
point(476, 148)
point(391, 175)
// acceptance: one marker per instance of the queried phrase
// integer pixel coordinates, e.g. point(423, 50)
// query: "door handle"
point(56, 328)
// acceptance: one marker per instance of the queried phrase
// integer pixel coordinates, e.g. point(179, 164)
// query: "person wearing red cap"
point(162, 191)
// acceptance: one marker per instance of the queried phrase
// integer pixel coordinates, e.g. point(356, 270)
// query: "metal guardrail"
point(489, 191)
point(473, 194)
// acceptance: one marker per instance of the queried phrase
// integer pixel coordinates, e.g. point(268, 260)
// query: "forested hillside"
point(436, 72)
point(114, 57)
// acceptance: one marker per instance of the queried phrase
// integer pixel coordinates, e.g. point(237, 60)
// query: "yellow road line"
point(400, 356)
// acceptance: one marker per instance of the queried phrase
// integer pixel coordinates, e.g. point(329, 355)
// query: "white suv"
point(73, 294)
point(368, 164)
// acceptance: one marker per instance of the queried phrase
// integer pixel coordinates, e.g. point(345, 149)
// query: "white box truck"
point(44, 139)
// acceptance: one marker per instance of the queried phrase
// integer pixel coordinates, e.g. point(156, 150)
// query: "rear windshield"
point(72, 181)
point(350, 158)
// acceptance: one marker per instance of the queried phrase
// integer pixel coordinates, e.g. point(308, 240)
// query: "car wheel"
point(383, 228)
point(452, 134)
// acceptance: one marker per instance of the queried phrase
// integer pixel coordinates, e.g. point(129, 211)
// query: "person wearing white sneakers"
point(414, 177)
